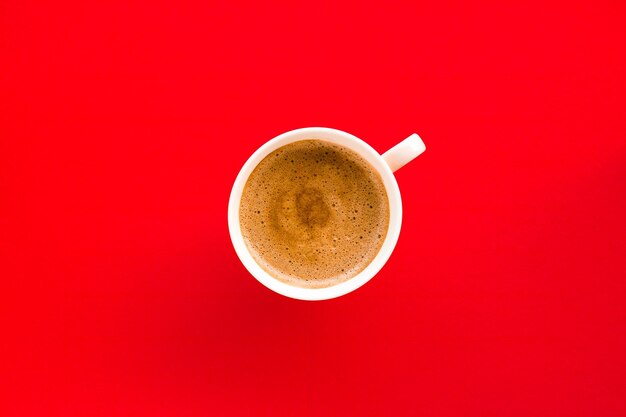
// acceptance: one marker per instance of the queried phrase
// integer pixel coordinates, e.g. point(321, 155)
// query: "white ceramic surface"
point(385, 164)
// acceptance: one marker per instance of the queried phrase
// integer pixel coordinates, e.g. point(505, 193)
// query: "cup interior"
point(365, 151)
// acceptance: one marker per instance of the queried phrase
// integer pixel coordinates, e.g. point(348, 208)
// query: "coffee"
point(314, 214)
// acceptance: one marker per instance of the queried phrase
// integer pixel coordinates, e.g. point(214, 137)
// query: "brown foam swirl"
point(314, 214)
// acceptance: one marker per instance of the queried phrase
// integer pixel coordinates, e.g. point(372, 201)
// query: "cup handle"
point(404, 152)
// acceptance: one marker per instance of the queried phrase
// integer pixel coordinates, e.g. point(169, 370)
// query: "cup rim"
point(395, 213)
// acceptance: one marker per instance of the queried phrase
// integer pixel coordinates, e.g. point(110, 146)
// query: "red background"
point(124, 124)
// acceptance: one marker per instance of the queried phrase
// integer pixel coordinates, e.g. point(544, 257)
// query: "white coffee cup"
point(392, 160)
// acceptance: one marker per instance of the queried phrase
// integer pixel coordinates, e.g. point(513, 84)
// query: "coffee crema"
point(314, 214)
